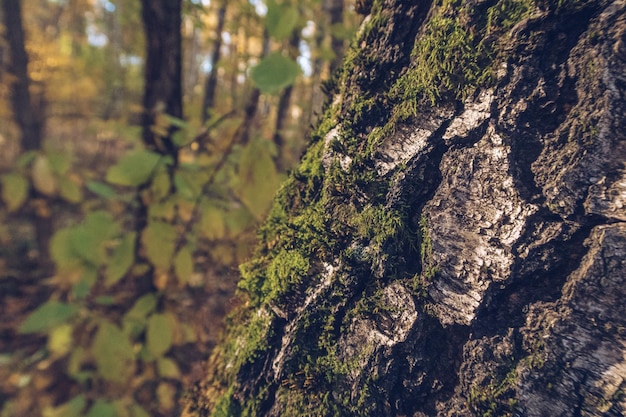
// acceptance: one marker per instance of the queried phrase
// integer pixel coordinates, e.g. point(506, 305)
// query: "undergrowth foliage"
point(112, 322)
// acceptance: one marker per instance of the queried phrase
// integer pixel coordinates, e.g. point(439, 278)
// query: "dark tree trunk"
point(163, 70)
point(28, 112)
point(453, 241)
point(210, 85)
point(162, 21)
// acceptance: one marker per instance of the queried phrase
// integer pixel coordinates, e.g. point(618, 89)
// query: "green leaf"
point(47, 316)
point(133, 169)
point(70, 191)
point(14, 190)
point(212, 224)
point(258, 179)
point(44, 179)
point(160, 334)
point(175, 121)
point(183, 265)
point(88, 239)
point(26, 159)
point(105, 300)
point(281, 19)
point(168, 368)
point(60, 162)
point(159, 241)
point(102, 409)
point(122, 259)
point(88, 278)
point(134, 320)
point(113, 353)
point(137, 411)
point(61, 250)
point(274, 73)
point(160, 186)
point(72, 408)
point(102, 190)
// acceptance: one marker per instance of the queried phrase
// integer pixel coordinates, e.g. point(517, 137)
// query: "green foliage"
point(47, 316)
point(133, 169)
point(257, 177)
point(274, 73)
point(159, 241)
point(506, 13)
point(113, 353)
point(14, 190)
point(281, 19)
point(122, 258)
point(160, 334)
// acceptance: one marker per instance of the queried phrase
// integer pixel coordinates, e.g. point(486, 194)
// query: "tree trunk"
point(284, 104)
point(334, 8)
point(162, 21)
point(210, 85)
point(452, 243)
point(163, 70)
point(28, 113)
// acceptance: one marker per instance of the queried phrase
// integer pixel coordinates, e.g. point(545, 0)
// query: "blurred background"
point(141, 144)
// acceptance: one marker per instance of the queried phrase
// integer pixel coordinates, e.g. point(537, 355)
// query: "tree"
point(452, 240)
point(29, 114)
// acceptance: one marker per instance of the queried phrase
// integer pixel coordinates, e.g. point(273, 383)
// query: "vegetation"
point(122, 215)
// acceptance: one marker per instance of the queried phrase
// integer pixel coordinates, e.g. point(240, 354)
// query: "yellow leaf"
point(60, 339)
point(14, 191)
point(212, 224)
point(70, 190)
point(166, 394)
point(44, 180)
point(168, 368)
point(183, 265)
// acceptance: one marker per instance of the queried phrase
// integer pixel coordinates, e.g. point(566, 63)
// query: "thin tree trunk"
point(210, 86)
point(252, 104)
point(283, 107)
point(28, 113)
point(335, 10)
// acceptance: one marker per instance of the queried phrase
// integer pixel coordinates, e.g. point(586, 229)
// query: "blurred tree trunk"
point(162, 21)
point(163, 70)
point(28, 112)
point(335, 9)
point(284, 102)
point(252, 104)
point(210, 85)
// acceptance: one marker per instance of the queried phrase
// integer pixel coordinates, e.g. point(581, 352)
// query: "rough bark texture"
point(453, 242)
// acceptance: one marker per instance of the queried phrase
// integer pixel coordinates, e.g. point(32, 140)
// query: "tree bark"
point(452, 243)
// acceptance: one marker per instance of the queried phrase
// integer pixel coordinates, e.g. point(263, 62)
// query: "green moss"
point(506, 13)
point(378, 224)
point(497, 398)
